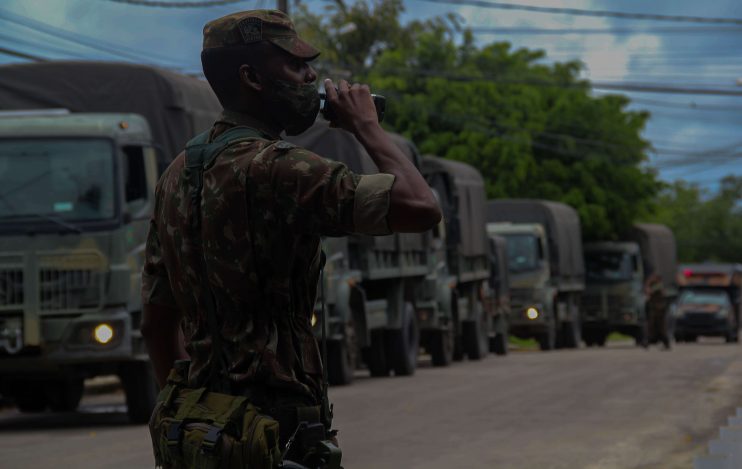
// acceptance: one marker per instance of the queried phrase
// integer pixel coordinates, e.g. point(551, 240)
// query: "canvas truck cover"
point(456, 181)
point(562, 225)
point(177, 107)
point(657, 245)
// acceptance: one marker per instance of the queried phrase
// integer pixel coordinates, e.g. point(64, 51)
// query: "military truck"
point(500, 285)
point(695, 280)
point(78, 187)
point(546, 268)
point(615, 297)
point(370, 281)
point(464, 317)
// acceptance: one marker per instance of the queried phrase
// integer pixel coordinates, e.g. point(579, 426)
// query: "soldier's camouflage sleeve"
point(321, 196)
point(156, 289)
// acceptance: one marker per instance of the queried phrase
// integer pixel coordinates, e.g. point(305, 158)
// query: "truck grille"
point(52, 281)
point(700, 319)
point(61, 290)
point(11, 289)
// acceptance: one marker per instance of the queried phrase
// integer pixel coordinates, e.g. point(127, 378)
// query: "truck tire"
point(547, 339)
point(571, 334)
point(600, 338)
point(140, 387)
point(441, 347)
point(376, 355)
point(403, 344)
point(499, 344)
point(31, 396)
point(641, 336)
point(341, 363)
point(475, 338)
point(65, 395)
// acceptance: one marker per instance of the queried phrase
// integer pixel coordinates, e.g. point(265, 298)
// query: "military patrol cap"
point(248, 27)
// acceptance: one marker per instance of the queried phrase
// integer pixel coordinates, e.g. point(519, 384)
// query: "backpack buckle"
point(211, 438)
point(174, 432)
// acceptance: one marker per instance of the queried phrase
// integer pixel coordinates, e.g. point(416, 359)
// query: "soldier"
point(657, 311)
point(247, 241)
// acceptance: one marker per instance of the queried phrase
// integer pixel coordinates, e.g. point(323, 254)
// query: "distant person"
point(656, 311)
point(233, 256)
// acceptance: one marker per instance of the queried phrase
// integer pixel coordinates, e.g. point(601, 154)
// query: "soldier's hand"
point(352, 105)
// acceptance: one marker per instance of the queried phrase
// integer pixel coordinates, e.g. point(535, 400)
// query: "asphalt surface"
point(618, 407)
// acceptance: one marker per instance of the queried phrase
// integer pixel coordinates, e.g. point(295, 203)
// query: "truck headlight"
point(314, 320)
point(103, 333)
point(532, 313)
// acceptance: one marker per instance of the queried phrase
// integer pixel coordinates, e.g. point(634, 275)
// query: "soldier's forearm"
point(163, 338)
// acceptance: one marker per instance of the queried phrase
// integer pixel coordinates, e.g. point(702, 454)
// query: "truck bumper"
point(70, 342)
point(706, 326)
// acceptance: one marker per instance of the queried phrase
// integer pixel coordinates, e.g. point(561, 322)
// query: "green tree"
point(707, 227)
point(533, 130)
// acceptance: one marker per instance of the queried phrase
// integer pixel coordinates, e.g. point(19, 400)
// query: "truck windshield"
point(607, 266)
point(57, 180)
point(691, 297)
point(524, 252)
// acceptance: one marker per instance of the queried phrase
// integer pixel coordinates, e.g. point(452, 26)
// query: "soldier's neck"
point(236, 117)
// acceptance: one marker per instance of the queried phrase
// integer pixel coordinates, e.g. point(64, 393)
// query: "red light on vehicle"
point(687, 273)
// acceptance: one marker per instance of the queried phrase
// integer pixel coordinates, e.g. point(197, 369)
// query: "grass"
point(531, 344)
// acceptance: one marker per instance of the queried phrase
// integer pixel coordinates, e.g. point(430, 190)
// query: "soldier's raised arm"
point(412, 206)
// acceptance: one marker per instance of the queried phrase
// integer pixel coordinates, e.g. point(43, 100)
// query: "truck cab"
point(77, 193)
point(531, 293)
point(546, 268)
point(614, 298)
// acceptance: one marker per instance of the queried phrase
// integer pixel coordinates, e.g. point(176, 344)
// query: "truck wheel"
point(547, 339)
point(475, 338)
point(499, 344)
point(65, 395)
point(340, 363)
point(641, 337)
point(571, 334)
point(140, 387)
point(441, 347)
point(376, 357)
point(600, 338)
point(587, 337)
point(31, 397)
point(403, 344)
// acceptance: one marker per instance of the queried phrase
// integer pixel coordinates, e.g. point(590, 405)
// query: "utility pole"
point(283, 5)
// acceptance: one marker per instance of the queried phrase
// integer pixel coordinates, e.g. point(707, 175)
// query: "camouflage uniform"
point(265, 204)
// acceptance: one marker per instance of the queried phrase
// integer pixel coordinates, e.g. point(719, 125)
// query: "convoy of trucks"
point(81, 147)
point(78, 190)
point(545, 266)
point(618, 273)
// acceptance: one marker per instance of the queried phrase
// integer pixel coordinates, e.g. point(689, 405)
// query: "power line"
point(598, 31)
point(695, 89)
point(202, 4)
point(93, 43)
point(599, 13)
point(21, 55)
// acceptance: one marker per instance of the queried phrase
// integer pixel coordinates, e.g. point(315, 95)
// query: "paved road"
point(619, 407)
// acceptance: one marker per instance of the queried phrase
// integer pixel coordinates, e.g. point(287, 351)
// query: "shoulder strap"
point(200, 153)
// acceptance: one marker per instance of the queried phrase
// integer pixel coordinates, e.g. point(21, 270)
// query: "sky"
point(696, 137)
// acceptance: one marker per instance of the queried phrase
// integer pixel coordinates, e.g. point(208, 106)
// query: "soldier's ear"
point(250, 78)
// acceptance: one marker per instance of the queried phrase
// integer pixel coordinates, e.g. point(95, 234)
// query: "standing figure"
point(233, 256)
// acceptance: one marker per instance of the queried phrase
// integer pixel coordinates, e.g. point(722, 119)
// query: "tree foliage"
point(533, 130)
point(707, 227)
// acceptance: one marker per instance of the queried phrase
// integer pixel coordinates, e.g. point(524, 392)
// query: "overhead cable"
point(599, 13)
point(93, 43)
point(158, 4)
point(612, 32)
point(21, 55)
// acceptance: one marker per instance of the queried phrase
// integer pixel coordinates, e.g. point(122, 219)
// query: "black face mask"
point(293, 106)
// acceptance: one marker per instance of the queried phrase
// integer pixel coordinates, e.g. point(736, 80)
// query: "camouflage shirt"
point(265, 204)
